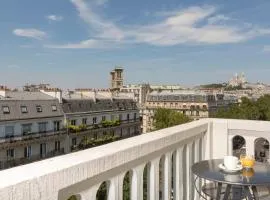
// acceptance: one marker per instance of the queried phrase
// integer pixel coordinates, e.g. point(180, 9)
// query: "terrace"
point(167, 155)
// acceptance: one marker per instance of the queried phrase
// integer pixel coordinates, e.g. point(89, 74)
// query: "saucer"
point(238, 168)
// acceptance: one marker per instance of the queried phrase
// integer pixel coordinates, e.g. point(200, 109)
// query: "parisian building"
point(46, 123)
point(192, 103)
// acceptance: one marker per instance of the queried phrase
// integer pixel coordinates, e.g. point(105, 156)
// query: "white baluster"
point(178, 175)
point(153, 174)
point(197, 159)
point(189, 180)
point(167, 175)
point(230, 146)
point(137, 183)
point(90, 194)
point(250, 145)
point(115, 188)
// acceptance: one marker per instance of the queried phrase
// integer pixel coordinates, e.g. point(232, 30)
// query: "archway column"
point(178, 174)
point(230, 145)
point(167, 176)
point(91, 193)
point(115, 188)
point(153, 174)
point(250, 143)
point(137, 183)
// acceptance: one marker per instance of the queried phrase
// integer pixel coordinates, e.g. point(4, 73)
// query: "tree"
point(247, 109)
point(164, 118)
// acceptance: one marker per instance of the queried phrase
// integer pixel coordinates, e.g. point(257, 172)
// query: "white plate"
point(238, 168)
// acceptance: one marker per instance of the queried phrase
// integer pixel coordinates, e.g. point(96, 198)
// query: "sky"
point(76, 43)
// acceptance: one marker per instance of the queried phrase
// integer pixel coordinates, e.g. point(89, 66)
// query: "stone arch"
point(238, 145)
point(75, 197)
point(261, 148)
point(146, 181)
point(102, 193)
point(161, 176)
point(127, 185)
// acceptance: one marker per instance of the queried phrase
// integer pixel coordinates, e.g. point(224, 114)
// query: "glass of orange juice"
point(247, 161)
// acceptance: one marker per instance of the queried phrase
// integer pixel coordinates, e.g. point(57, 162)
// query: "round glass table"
point(246, 181)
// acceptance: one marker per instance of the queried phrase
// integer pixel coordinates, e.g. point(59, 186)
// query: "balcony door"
point(43, 150)
point(56, 125)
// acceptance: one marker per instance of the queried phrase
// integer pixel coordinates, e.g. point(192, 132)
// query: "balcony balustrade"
point(25, 139)
point(167, 155)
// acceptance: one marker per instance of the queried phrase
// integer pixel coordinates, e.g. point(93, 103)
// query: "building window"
point(112, 117)
point(26, 129)
point(73, 122)
point(127, 117)
point(9, 131)
point(94, 120)
point(27, 151)
point(103, 118)
point(24, 109)
point(54, 108)
point(74, 141)
point(10, 154)
point(56, 125)
point(120, 117)
point(204, 107)
point(39, 108)
point(43, 150)
point(57, 146)
point(197, 107)
point(84, 121)
point(197, 113)
point(135, 116)
point(42, 127)
point(128, 130)
point(121, 132)
point(5, 109)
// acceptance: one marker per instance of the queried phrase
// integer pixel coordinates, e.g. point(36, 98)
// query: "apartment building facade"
point(194, 104)
point(35, 125)
point(92, 109)
point(31, 127)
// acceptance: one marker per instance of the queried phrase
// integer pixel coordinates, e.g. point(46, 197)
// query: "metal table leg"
point(247, 193)
point(219, 191)
point(255, 192)
point(227, 192)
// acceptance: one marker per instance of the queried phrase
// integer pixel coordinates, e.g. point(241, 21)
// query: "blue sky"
point(75, 43)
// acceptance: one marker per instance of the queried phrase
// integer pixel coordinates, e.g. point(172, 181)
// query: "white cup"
point(230, 162)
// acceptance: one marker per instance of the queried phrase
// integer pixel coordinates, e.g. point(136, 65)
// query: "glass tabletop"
point(209, 170)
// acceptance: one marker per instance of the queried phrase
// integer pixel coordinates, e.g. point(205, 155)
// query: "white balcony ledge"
point(82, 172)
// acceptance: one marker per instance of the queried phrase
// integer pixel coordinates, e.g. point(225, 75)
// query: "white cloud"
point(30, 33)
point(86, 44)
point(54, 18)
point(217, 18)
point(266, 48)
point(193, 25)
point(106, 29)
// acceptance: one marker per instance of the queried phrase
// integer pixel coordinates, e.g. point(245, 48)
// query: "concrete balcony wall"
point(81, 173)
